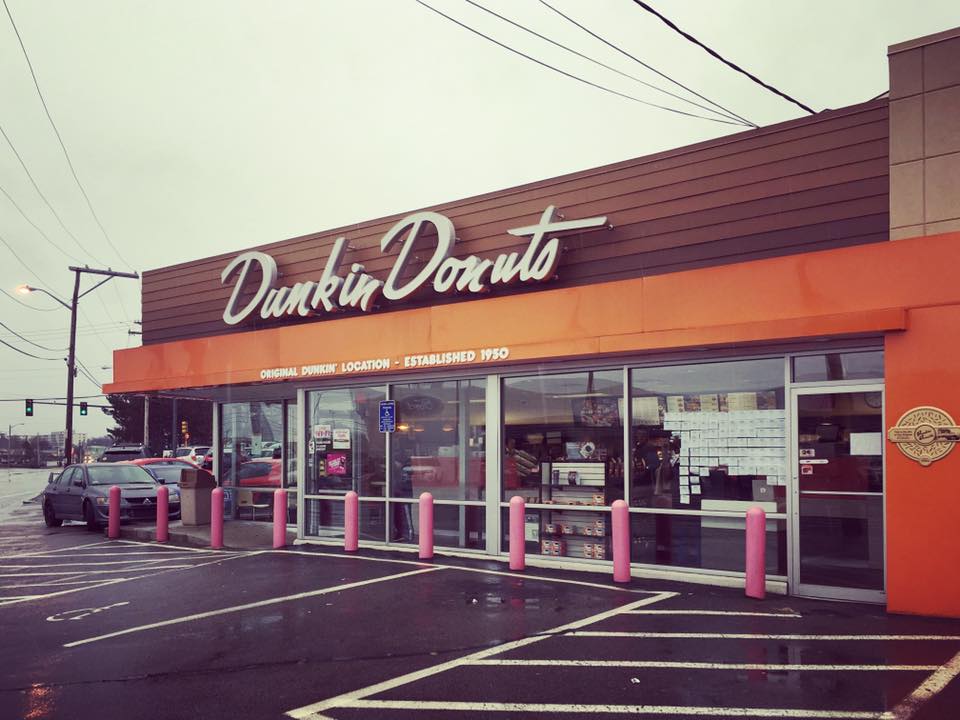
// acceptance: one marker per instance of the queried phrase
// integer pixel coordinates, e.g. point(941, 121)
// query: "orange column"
point(923, 521)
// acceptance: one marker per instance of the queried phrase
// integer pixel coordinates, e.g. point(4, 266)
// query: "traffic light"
point(29, 408)
point(183, 427)
point(83, 408)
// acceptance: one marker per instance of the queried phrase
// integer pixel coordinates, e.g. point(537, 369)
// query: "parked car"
point(263, 472)
point(120, 453)
point(194, 453)
point(227, 459)
point(82, 492)
point(166, 470)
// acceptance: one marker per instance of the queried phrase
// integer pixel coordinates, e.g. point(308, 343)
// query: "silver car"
point(82, 492)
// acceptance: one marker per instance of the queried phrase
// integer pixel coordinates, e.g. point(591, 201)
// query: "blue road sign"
point(388, 415)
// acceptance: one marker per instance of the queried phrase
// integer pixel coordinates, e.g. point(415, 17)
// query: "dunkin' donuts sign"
point(357, 289)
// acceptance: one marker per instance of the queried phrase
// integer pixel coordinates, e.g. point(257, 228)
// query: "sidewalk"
point(237, 534)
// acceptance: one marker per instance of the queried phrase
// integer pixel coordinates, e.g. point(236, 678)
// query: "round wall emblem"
point(925, 434)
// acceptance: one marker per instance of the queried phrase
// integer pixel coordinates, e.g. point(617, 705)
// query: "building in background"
point(763, 319)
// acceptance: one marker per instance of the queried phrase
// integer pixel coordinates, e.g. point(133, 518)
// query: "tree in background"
point(127, 412)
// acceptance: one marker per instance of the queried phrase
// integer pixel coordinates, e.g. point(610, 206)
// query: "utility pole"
point(72, 357)
point(146, 421)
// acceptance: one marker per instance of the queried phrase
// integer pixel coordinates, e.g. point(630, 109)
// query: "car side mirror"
point(79, 483)
point(161, 481)
point(50, 477)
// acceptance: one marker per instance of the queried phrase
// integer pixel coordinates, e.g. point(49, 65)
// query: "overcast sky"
point(199, 127)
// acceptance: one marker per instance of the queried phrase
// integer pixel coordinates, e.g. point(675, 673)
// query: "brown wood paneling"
point(799, 186)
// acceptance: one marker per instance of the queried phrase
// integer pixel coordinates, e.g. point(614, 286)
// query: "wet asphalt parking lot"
point(120, 629)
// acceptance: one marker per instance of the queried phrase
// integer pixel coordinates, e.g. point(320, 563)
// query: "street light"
point(72, 358)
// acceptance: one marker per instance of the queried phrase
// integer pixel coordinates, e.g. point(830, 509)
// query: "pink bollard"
point(113, 521)
point(279, 518)
point(426, 526)
point(216, 518)
point(621, 542)
point(517, 539)
point(756, 553)
point(163, 513)
point(351, 522)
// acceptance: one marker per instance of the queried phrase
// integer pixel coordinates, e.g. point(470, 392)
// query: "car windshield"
point(182, 452)
point(119, 475)
point(170, 474)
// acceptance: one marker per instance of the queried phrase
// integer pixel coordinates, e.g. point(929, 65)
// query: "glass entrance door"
point(838, 492)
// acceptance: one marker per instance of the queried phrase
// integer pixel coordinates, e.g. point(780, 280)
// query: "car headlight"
point(103, 501)
point(174, 495)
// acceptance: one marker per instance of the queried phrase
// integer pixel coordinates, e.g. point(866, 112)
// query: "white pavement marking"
point(159, 571)
point(94, 564)
point(672, 710)
point(655, 664)
point(50, 583)
point(421, 563)
point(42, 553)
point(908, 707)
point(346, 699)
point(752, 636)
point(159, 546)
point(81, 613)
point(91, 572)
point(715, 612)
point(249, 606)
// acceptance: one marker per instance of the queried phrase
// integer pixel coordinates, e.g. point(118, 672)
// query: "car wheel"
point(49, 517)
point(90, 515)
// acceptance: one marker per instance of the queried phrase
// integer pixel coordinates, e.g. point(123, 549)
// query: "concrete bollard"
point(216, 518)
point(163, 513)
point(517, 539)
point(351, 522)
point(621, 541)
point(426, 526)
point(756, 584)
point(279, 518)
point(113, 518)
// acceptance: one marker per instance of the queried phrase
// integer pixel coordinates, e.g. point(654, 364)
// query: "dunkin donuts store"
point(767, 318)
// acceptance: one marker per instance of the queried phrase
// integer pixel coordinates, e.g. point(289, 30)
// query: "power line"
point(646, 65)
point(42, 347)
point(59, 138)
point(37, 227)
point(24, 352)
point(570, 75)
point(719, 57)
point(597, 62)
point(43, 197)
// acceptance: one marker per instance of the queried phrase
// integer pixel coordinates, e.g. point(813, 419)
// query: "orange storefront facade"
point(733, 324)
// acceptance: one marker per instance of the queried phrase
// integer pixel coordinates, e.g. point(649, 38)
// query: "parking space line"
point(51, 583)
point(715, 612)
point(671, 710)
point(42, 553)
point(942, 677)
point(566, 581)
point(89, 572)
point(657, 664)
point(346, 699)
point(159, 571)
point(250, 606)
point(94, 564)
point(754, 636)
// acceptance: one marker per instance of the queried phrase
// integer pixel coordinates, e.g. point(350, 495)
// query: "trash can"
point(195, 488)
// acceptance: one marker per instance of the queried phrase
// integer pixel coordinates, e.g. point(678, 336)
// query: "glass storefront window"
point(439, 443)
point(709, 436)
point(838, 366)
point(345, 448)
point(563, 438)
point(583, 534)
point(455, 526)
point(702, 541)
